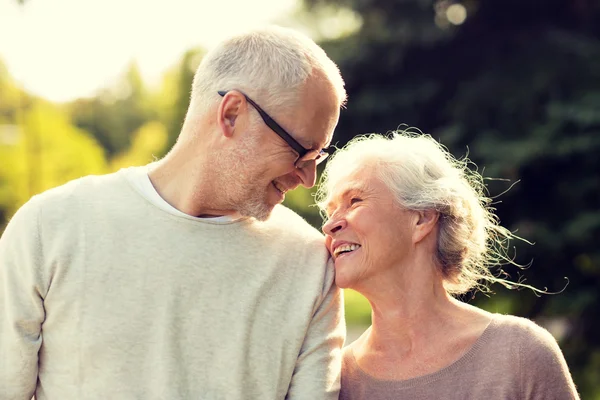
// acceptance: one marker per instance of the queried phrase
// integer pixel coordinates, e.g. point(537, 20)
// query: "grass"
point(358, 309)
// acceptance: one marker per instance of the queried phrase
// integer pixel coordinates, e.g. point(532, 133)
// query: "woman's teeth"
point(345, 248)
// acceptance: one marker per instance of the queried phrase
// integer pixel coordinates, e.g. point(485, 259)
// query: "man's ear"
point(425, 223)
point(229, 111)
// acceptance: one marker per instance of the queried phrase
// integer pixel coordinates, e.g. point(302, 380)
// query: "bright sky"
point(63, 49)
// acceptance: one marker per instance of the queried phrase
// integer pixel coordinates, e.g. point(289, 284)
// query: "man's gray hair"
point(269, 65)
point(423, 175)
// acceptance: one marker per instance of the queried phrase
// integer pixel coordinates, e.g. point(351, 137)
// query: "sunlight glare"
point(63, 49)
point(456, 14)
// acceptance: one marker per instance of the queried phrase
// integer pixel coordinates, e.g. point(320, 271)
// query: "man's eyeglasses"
point(305, 156)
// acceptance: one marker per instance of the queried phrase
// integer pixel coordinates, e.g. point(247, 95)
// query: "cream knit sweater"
point(103, 295)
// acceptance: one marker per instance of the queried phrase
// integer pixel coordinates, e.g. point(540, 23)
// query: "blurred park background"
point(88, 87)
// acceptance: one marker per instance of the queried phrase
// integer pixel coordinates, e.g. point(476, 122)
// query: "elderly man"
point(187, 279)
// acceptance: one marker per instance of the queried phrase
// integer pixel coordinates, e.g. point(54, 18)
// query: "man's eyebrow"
point(314, 145)
point(306, 144)
point(302, 137)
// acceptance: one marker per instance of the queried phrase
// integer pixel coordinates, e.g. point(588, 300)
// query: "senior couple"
point(186, 279)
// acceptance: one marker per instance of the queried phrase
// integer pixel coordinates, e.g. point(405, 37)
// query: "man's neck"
point(186, 185)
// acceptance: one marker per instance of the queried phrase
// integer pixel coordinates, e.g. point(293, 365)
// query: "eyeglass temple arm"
point(274, 125)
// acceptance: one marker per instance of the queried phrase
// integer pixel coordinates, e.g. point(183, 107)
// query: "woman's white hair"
point(269, 65)
point(423, 175)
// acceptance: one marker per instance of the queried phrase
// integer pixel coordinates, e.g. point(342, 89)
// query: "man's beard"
point(242, 189)
point(255, 205)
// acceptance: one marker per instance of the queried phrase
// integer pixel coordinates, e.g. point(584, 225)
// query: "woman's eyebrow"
point(328, 206)
point(353, 190)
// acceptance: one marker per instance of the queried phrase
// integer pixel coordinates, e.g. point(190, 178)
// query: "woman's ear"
point(425, 223)
point(228, 112)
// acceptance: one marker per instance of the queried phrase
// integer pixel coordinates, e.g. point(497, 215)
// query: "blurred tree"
point(514, 81)
point(116, 112)
point(517, 82)
point(45, 151)
point(174, 97)
point(10, 96)
point(148, 141)
point(302, 201)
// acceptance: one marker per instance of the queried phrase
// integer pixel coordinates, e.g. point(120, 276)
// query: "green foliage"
point(10, 96)
point(148, 141)
point(116, 112)
point(517, 87)
point(358, 309)
point(45, 151)
point(302, 201)
point(177, 88)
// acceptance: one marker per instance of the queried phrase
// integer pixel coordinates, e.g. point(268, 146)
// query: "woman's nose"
point(334, 225)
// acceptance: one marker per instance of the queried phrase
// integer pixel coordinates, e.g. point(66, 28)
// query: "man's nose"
point(308, 174)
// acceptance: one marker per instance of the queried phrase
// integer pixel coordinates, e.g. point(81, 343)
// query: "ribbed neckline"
point(447, 371)
point(181, 216)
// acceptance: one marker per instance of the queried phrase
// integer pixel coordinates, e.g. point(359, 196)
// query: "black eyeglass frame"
point(275, 127)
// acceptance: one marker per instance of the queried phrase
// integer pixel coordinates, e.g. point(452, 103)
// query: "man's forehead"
point(316, 132)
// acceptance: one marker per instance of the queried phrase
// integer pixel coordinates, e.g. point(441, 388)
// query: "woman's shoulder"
point(542, 365)
point(521, 328)
point(534, 343)
point(348, 361)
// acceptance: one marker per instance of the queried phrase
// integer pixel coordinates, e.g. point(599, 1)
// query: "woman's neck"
point(413, 311)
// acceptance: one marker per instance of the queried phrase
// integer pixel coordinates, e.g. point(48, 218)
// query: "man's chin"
point(262, 217)
point(260, 213)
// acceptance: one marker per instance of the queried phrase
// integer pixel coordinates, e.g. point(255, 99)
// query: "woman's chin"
point(342, 280)
point(345, 271)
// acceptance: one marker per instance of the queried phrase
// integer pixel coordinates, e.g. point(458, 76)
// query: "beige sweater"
point(513, 359)
point(103, 295)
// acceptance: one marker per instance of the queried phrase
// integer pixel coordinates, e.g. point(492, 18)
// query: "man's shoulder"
point(62, 202)
point(81, 187)
point(285, 219)
point(77, 194)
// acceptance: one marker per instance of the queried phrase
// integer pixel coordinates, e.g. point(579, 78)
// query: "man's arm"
point(21, 304)
point(318, 368)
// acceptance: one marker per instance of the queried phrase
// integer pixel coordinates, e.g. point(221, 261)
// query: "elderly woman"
point(408, 227)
